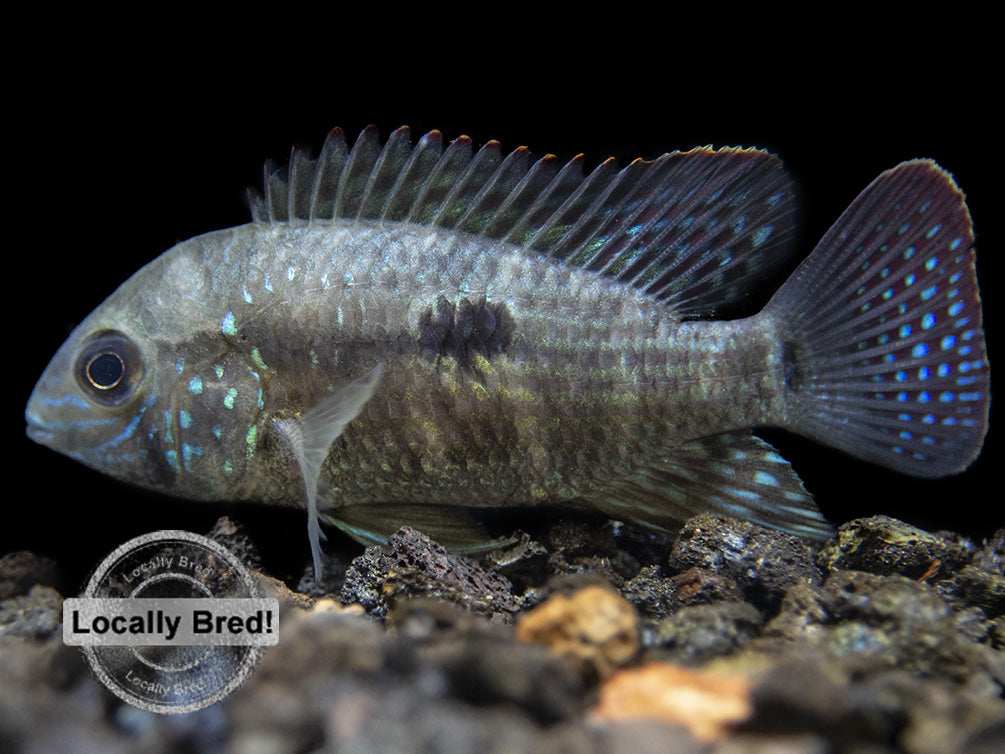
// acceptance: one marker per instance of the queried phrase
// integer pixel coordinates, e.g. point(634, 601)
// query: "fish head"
point(147, 390)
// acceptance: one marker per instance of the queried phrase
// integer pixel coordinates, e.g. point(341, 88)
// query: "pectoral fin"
point(310, 437)
point(453, 527)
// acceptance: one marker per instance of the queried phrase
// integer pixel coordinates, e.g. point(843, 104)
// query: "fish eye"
point(105, 370)
point(109, 367)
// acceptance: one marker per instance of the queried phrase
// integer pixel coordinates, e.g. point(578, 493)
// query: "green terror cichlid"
point(406, 333)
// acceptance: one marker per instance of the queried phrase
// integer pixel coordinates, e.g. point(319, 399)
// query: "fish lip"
point(37, 433)
point(41, 436)
point(36, 427)
point(47, 438)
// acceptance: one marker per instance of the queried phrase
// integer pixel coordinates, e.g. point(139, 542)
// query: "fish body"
point(405, 334)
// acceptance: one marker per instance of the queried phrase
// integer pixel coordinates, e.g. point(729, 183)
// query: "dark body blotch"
point(465, 329)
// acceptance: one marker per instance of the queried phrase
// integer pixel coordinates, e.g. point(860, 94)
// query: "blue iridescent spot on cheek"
point(171, 456)
point(188, 452)
point(250, 439)
point(256, 356)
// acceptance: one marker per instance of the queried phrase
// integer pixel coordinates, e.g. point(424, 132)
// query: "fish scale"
point(407, 334)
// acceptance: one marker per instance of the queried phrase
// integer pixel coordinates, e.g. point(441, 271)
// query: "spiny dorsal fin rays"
point(311, 435)
point(469, 186)
point(325, 184)
point(692, 228)
point(389, 166)
point(421, 162)
point(356, 174)
point(538, 201)
point(430, 203)
point(573, 219)
point(491, 198)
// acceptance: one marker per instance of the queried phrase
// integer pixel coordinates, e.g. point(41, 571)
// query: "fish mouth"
point(37, 434)
point(36, 431)
point(46, 437)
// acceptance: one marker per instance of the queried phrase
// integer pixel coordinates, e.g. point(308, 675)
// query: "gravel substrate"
point(587, 637)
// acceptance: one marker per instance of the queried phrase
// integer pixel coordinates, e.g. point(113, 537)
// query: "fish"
point(418, 333)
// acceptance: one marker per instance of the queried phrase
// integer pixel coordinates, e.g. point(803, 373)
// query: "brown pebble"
point(705, 703)
point(595, 627)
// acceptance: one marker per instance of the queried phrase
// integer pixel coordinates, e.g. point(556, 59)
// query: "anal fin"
point(732, 474)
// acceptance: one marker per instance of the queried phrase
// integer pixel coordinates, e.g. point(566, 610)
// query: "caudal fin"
point(884, 350)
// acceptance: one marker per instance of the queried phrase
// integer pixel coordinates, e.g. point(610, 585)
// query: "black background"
point(118, 152)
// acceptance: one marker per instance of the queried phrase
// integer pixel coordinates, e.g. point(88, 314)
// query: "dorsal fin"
point(692, 228)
